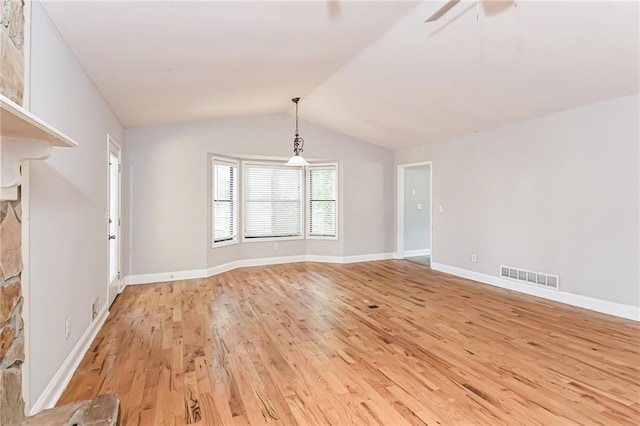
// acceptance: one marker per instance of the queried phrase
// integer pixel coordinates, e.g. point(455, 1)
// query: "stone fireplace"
point(12, 50)
point(11, 324)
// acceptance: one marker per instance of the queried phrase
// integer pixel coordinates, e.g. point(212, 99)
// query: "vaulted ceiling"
point(372, 70)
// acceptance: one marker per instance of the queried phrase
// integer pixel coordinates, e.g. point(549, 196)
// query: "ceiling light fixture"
point(298, 143)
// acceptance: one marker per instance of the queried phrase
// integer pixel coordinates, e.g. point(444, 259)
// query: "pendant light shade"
point(298, 143)
point(297, 160)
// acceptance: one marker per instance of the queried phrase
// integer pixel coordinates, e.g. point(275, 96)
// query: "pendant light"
point(298, 143)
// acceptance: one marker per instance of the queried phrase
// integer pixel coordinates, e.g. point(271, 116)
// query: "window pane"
point(273, 201)
point(323, 184)
point(225, 201)
point(322, 201)
point(223, 187)
point(322, 217)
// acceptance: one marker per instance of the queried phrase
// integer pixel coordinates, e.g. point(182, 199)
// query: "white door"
point(115, 280)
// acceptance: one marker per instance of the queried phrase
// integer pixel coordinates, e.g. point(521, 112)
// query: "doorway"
point(114, 204)
point(414, 212)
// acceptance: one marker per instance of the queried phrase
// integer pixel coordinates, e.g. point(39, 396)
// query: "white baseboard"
point(215, 270)
point(219, 269)
point(366, 257)
point(421, 252)
point(591, 303)
point(164, 276)
point(61, 379)
point(324, 259)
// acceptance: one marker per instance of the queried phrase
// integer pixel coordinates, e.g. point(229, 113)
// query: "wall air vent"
point(529, 277)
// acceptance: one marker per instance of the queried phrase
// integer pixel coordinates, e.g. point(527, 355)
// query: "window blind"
point(225, 200)
point(272, 201)
point(322, 201)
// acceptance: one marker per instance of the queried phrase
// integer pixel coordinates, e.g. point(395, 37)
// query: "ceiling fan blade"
point(333, 7)
point(496, 7)
point(444, 9)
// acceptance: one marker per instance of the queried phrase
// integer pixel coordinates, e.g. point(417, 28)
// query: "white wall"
point(167, 180)
point(417, 222)
point(556, 194)
point(68, 197)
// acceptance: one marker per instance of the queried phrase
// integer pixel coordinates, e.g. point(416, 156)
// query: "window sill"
point(225, 243)
point(317, 237)
point(271, 239)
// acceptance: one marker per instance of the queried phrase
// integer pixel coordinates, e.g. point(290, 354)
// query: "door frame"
point(112, 142)
point(400, 207)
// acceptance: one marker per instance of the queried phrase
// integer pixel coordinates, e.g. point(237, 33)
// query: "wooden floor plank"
point(297, 344)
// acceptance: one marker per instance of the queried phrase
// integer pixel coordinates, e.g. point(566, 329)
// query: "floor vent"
point(373, 306)
point(529, 277)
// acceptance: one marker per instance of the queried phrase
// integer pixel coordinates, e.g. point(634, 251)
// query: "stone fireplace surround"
point(11, 301)
point(11, 325)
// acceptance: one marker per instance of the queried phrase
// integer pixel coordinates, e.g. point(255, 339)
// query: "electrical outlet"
point(419, 206)
point(67, 328)
point(276, 246)
point(441, 208)
point(474, 258)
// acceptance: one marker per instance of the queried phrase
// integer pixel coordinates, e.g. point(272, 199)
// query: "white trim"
point(129, 222)
point(25, 203)
point(400, 213)
point(215, 270)
point(231, 242)
point(400, 252)
point(271, 239)
point(416, 164)
point(586, 302)
point(215, 159)
point(325, 238)
point(60, 380)
point(325, 259)
point(367, 257)
point(25, 280)
point(421, 252)
point(114, 147)
point(165, 276)
point(219, 269)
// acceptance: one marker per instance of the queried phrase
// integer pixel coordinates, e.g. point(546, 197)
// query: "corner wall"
point(558, 194)
point(167, 181)
point(68, 198)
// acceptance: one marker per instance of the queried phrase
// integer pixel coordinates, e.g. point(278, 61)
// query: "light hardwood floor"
point(298, 344)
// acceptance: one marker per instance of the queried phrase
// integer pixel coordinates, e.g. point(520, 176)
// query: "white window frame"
point(236, 217)
point(307, 212)
point(302, 202)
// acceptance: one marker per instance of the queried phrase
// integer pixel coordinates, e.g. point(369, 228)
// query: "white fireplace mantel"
point(23, 137)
